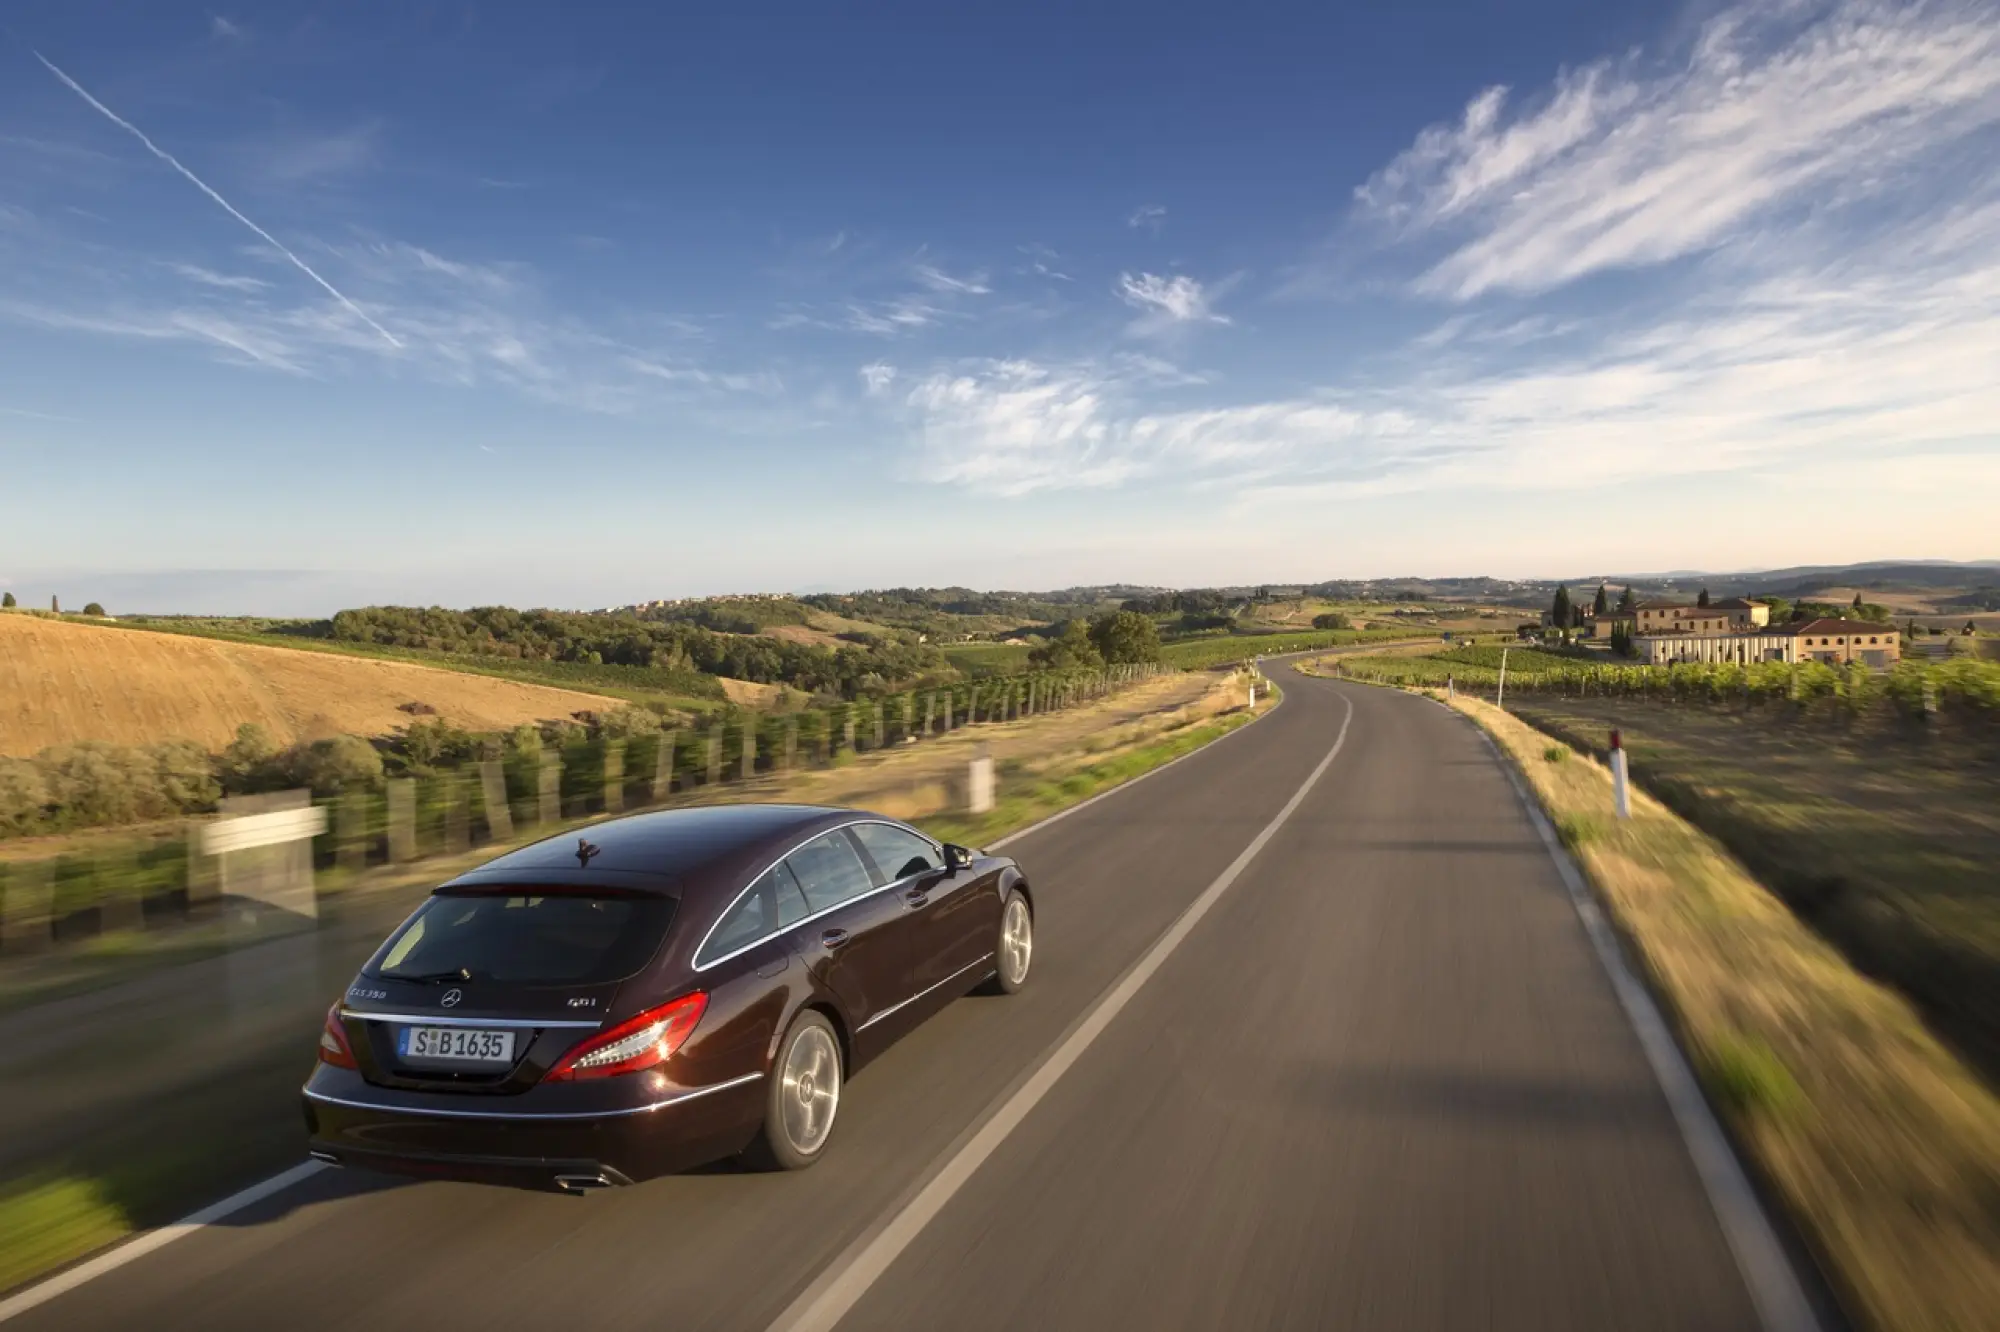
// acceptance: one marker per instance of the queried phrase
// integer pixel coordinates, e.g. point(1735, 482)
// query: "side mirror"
point(956, 858)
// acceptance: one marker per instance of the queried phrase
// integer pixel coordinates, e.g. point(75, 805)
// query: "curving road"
point(1382, 1082)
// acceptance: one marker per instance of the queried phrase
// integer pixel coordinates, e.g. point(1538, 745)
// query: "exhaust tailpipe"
point(324, 1158)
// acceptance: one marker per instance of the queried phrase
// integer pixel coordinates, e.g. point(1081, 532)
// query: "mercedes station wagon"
point(665, 990)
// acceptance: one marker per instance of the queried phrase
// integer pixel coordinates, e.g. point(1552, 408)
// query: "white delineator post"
point(1621, 796)
point(979, 782)
point(1500, 698)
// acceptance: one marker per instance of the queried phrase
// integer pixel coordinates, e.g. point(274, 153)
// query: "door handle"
point(832, 938)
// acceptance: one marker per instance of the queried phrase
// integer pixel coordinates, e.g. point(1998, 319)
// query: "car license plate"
point(456, 1045)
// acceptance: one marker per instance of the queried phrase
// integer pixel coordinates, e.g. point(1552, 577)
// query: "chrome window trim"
point(675, 1099)
point(896, 1008)
point(758, 877)
point(460, 1020)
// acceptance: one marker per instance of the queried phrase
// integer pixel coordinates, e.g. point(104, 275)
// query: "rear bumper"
point(351, 1123)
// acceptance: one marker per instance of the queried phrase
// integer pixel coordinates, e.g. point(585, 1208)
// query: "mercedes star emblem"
point(451, 998)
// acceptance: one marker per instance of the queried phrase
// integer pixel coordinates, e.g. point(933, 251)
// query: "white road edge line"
point(821, 1305)
point(1782, 1305)
point(138, 1247)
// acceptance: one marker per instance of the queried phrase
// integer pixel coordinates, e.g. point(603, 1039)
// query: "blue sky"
point(306, 305)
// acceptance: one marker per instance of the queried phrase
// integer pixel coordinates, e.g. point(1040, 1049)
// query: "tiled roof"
point(1838, 627)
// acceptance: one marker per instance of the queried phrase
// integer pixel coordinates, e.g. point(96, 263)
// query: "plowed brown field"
point(61, 681)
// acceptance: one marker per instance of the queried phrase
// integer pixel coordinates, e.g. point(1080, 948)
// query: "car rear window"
point(526, 938)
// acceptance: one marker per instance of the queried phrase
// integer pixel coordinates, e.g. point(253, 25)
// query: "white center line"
point(827, 1300)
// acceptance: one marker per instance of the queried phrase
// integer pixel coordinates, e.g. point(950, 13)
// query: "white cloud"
point(208, 277)
point(1152, 217)
point(225, 30)
point(1165, 303)
point(1775, 111)
point(877, 376)
point(939, 281)
point(1829, 365)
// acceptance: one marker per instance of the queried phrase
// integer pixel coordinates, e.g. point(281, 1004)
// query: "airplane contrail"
point(227, 207)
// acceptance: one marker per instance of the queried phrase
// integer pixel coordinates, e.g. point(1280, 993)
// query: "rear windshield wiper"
point(437, 977)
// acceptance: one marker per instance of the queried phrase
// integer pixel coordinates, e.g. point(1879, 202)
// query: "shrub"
point(1555, 753)
point(92, 782)
point(245, 763)
point(1332, 620)
point(24, 796)
point(628, 721)
point(187, 776)
point(7, 601)
point(1579, 830)
point(335, 766)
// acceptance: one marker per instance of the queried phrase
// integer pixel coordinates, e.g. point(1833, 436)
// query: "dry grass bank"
point(1884, 1147)
point(61, 682)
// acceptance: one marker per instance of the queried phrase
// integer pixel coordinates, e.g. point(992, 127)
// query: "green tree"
point(1857, 601)
point(1332, 620)
point(95, 608)
point(1125, 636)
point(334, 766)
point(245, 762)
point(1621, 638)
point(1070, 649)
point(7, 601)
point(1601, 604)
point(1627, 603)
point(1702, 600)
point(1559, 608)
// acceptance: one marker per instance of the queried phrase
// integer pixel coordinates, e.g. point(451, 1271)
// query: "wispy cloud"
point(1166, 303)
point(28, 415)
point(223, 203)
point(226, 30)
point(1775, 111)
point(1830, 363)
point(1151, 217)
point(973, 284)
point(208, 277)
point(877, 376)
point(296, 158)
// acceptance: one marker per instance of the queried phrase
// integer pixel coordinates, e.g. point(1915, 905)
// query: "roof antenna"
point(584, 851)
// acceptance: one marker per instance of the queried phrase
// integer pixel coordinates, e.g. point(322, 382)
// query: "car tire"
point(1013, 945)
point(802, 1098)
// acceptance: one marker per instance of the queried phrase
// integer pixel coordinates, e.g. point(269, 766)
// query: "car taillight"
point(333, 1047)
point(635, 1044)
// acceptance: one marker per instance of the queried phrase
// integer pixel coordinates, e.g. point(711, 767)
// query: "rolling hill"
point(61, 681)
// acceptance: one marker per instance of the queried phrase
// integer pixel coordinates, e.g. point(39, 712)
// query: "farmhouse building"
point(1734, 616)
point(1664, 649)
point(1838, 642)
point(1833, 642)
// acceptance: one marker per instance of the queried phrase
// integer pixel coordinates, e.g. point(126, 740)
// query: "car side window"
point(753, 917)
point(829, 871)
point(791, 899)
point(898, 852)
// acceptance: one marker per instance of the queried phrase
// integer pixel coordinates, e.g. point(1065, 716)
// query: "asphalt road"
point(1383, 1083)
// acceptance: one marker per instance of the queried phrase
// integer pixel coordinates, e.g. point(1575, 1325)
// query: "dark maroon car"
point(668, 989)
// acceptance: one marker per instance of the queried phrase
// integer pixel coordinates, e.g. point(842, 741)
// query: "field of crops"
point(979, 660)
point(1914, 688)
point(1195, 654)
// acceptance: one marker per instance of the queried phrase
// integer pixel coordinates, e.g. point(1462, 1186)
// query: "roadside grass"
point(1881, 835)
point(1882, 1145)
point(117, 1170)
